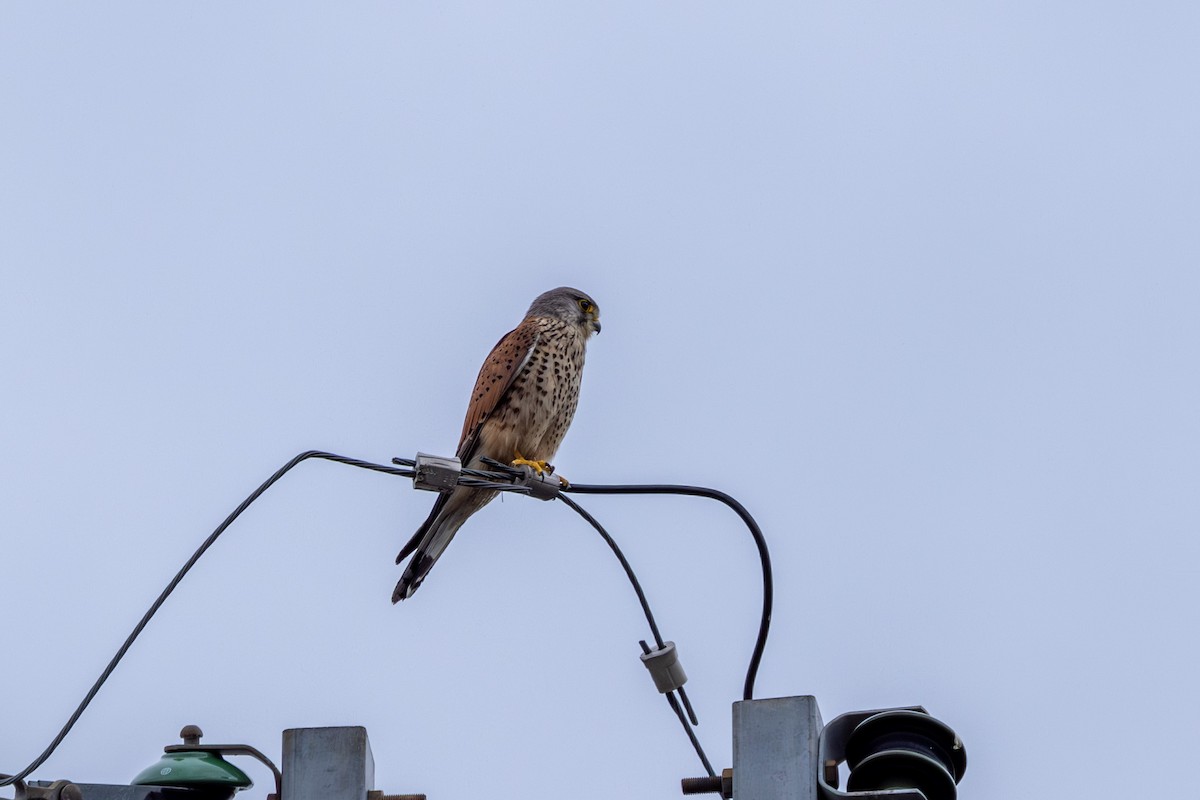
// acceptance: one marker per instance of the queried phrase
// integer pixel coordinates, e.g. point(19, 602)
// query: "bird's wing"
point(499, 370)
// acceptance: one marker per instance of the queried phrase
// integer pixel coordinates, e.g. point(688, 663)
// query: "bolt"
point(715, 784)
point(703, 785)
point(191, 734)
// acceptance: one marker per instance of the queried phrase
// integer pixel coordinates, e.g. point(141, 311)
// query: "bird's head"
point(571, 306)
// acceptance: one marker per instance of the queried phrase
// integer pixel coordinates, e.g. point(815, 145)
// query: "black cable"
point(691, 734)
point(191, 562)
point(763, 555)
point(637, 587)
point(476, 479)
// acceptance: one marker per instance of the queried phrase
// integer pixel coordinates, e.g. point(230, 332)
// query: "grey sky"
point(916, 282)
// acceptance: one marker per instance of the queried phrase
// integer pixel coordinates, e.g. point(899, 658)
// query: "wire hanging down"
point(179, 576)
point(502, 478)
point(637, 587)
point(548, 487)
point(768, 582)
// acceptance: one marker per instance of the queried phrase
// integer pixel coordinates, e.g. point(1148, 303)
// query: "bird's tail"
point(431, 539)
point(414, 573)
point(422, 531)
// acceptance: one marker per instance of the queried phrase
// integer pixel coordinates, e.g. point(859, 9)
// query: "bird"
point(522, 404)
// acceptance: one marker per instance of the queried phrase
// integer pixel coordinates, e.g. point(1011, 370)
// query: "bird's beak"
point(595, 326)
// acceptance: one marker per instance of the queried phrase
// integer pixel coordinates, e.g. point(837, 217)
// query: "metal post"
point(775, 748)
point(327, 764)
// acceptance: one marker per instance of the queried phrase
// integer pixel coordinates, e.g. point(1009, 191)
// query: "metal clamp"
point(664, 666)
point(544, 486)
point(436, 473)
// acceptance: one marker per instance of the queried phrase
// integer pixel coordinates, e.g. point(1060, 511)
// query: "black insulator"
point(905, 750)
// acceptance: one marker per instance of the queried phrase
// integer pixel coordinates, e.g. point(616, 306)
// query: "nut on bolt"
point(710, 784)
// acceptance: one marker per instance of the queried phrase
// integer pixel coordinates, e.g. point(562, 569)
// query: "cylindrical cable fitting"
point(542, 487)
point(664, 666)
point(436, 473)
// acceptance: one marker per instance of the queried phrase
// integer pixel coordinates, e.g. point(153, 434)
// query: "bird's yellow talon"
point(540, 467)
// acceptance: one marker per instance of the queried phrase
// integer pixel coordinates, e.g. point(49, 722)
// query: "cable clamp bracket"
point(665, 669)
point(545, 486)
point(436, 473)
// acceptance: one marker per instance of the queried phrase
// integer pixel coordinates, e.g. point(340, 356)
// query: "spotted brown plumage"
point(520, 409)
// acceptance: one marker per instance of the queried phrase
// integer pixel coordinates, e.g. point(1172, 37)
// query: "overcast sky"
point(917, 282)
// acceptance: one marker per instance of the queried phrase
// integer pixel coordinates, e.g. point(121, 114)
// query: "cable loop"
point(502, 478)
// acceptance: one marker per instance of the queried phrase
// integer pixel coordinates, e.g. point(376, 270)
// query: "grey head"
point(569, 305)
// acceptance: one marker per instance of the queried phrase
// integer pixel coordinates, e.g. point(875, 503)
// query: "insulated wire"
point(475, 478)
point(162, 598)
point(768, 583)
point(637, 587)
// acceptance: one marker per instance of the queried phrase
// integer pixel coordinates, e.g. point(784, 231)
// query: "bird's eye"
point(585, 305)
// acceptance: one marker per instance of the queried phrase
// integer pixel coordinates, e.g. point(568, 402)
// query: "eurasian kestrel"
point(523, 402)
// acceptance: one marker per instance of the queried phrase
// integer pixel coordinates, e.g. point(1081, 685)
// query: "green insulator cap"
point(193, 769)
